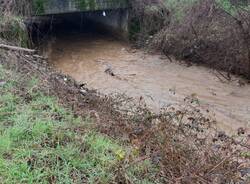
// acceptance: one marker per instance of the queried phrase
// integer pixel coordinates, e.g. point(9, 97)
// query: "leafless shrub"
point(211, 35)
point(182, 143)
point(16, 7)
point(147, 17)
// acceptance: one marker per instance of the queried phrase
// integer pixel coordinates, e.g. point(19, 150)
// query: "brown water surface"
point(160, 82)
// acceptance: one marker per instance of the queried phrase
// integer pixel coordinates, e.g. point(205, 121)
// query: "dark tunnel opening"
point(109, 23)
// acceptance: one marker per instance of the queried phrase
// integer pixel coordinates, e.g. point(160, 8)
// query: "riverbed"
point(111, 66)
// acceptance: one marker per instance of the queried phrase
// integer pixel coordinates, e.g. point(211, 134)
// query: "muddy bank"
point(174, 141)
point(150, 79)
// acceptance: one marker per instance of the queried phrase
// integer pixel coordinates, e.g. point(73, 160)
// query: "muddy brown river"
point(160, 82)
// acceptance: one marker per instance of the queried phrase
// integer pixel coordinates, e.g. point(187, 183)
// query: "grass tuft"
point(13, 30)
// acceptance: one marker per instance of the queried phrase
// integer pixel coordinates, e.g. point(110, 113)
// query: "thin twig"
point(220, 163)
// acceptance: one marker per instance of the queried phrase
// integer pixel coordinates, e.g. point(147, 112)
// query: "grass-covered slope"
point(42, 142)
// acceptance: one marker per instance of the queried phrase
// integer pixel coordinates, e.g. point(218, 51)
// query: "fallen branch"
point(169, 58)
point(14, 48)
point(227, 77)
point(220, 163)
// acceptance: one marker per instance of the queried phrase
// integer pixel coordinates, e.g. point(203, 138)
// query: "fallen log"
point(14, 48)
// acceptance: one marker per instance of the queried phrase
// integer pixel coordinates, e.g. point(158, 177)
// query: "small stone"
point(241, 131)
point(216, 147)
point(222, 135)
point(156, 158)
point(65, 79)
point(138, 131)
point(245, 171)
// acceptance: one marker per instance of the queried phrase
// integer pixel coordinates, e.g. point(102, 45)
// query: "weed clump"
point(13, 30)
point(12, 27)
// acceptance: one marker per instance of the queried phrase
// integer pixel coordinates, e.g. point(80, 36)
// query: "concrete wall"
point(115, 21)
point(46, 7)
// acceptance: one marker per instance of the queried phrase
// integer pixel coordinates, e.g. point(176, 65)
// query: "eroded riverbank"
point(150, 78)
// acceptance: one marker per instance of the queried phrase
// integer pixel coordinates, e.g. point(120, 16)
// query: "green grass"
point(231, 8)
point(42, 142)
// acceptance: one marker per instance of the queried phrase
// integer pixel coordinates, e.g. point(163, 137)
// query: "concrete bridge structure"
point(47, 7)
point(111, 14)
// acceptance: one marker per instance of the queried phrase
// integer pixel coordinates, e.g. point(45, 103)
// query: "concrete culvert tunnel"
point(106, 22)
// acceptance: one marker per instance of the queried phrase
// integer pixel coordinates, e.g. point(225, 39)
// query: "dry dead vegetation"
point(146, 18)
point(212, 35)
point(16, 7)
point(211, 32)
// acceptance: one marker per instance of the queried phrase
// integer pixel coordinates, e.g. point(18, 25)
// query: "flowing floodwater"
point(91, 59)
